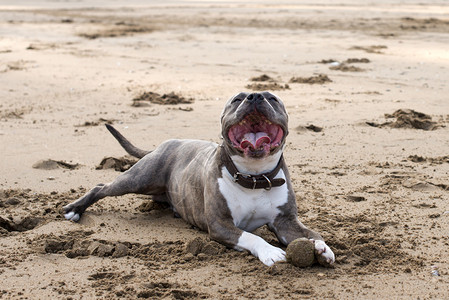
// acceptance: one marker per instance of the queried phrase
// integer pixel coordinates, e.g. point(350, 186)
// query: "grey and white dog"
point(227, 190)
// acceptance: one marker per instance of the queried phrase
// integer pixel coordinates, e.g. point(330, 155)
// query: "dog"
point(227, 190)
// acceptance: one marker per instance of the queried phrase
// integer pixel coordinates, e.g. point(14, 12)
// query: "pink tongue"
point(255, 140)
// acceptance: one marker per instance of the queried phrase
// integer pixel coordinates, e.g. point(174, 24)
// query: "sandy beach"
point(366, 88)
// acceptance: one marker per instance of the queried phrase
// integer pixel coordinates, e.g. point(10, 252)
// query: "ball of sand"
point(301, 253)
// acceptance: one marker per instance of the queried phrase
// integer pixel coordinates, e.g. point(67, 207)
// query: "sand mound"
point(267, 86)
point(120, 164)
point(50, 164)
point(116, 30)
point(165, 99)
point(346, 68)
point(318, 79)
point(266, 83)
point(408, 118)
point(262, 77)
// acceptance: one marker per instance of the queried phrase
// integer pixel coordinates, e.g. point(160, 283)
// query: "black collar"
point(260, 181)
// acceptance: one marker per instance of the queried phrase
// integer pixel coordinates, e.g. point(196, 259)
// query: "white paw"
point(71, 216)
point(270, 255)
point(324, 252)
point(260, 248)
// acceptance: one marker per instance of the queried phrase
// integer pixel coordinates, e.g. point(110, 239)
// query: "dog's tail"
point(130, 148)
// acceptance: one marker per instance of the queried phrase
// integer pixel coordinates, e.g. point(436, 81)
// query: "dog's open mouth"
point(255, 135)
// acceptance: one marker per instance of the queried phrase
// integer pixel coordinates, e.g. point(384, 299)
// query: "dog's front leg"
point(225, 232)
point(266, 253)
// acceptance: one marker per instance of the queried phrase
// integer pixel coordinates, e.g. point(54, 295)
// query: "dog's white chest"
point(251, 209)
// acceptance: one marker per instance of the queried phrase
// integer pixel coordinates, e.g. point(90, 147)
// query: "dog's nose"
point(254, 97)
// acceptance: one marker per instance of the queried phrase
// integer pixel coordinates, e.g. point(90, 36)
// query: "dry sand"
point(375, 186)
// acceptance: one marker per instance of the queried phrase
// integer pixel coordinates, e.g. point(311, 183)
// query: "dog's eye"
point(273, 99)
point(236, 99)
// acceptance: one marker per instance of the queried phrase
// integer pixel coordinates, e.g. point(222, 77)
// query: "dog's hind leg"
point(126, 183)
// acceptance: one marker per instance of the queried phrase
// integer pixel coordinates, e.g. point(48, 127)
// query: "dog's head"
point(254, 124)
